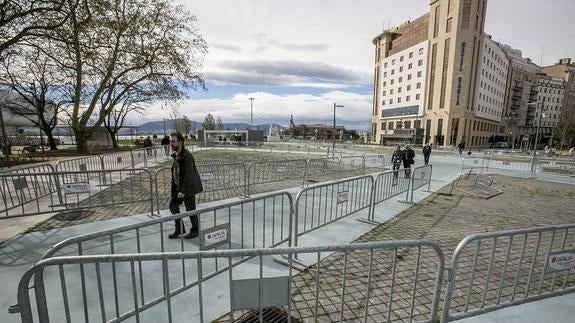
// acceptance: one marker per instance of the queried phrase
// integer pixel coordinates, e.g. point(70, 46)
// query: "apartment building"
point(565, 70)
point(449, 44)
point(489, 106)
point(550, 94)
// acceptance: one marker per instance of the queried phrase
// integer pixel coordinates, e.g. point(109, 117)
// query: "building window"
point(390, 101)
point(398, 100)
point(407, 124)
point(384, 74)
point(393, 62)
point(383, 93)
point(401, 58)
point(420, 62)
point(408, 77)
point(462, 55)
point(385, 65)
point(391, 82)
point(419, 74)
point(410, 66)
point(383, 126)
point(399, 89)
point(392, 72)
point(401, 69)
point(390, 125)
point(411, 55)
point(400, 79)
point(418, 85)
point(383, 102)
point(391, 92)
point(417, 96)
point(409, 88)
point(421, 51)
point(384, 83)
point(459, 80)
point(448, 26)
point(407, 98)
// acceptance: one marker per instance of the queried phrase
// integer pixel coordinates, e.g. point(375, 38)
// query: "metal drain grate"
point(270, 315)
point(73, 215)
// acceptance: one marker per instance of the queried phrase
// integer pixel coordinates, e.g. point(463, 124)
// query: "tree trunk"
point(81, 142)
point(51, 140)
point(114, 141)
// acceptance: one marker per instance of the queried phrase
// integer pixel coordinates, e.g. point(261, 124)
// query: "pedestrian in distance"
point(461, 147)
point(396, 160)
point(165, 142)
point(408, 160)
point(426, 153)
point(186, 183)
point(148, 144)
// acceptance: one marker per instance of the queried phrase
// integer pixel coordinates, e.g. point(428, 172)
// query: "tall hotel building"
point(439, 79)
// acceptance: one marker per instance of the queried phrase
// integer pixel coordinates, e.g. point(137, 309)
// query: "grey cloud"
point(298, 47)
point(227, 47)
point(302, 70)
point(243, 78)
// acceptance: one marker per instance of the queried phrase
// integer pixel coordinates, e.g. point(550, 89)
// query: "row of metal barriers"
point(517, 163)
point(381, 281)
point(80, 184)
point(267, 221)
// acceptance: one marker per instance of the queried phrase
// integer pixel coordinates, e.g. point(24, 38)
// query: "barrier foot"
point(368, 221)
point(296, 263)
point(14, 309)
point(406, 202)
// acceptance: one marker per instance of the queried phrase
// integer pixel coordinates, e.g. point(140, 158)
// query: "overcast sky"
point(301, 56)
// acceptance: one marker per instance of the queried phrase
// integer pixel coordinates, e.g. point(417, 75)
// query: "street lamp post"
point(333, 135)
point(252, 112)
point(4, 140)
point(536, 137)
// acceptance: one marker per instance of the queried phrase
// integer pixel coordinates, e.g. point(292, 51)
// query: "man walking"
point(166, 144)
point(426, 153)
point(186, 183)
point(461, 147)
point(148, 144)
point(396, 159)
point(408, 160)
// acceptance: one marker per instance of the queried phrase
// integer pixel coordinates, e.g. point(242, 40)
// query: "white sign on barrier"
point(207, 176)
point(342, 196)
point(76, 188)
point(475, 162)
point(560, 261)
point(215, 236)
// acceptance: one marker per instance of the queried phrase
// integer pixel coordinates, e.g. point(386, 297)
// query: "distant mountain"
point(157, 127)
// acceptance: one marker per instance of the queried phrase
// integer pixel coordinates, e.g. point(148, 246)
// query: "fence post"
point(103, 173)
point(305, 173)
point(363, 164)
point(133, 162)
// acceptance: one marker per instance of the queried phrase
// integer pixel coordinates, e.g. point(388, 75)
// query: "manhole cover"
point(272, 315)
point(73, 215)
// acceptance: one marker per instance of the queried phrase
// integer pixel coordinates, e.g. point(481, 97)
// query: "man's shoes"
point(192, 234)
point(176, 234)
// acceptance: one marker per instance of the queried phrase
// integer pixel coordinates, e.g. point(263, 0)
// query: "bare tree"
point(37, 94)
point(25, 19)
point(115, 120)
point(219, 124)
point(174, 117)
point(110, 48)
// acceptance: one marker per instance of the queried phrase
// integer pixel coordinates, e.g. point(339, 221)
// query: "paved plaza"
point(441, 218)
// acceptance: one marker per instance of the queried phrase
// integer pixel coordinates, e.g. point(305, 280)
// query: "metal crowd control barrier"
point(220, 181)
point(117, 160)
point(266, 172)
point(82, 164)
point(420, 176)
point(352, 164)
point(320, 205)
point(23, 190)
point(140, 156)
point(397, 280)
point(493, 270)
point(41, 193)
point(242, 224)
point(473, 163)
point(317, 169)
point(387, 185)
point(374, 161)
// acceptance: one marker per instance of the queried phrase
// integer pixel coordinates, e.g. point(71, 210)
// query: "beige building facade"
point(452, 38)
